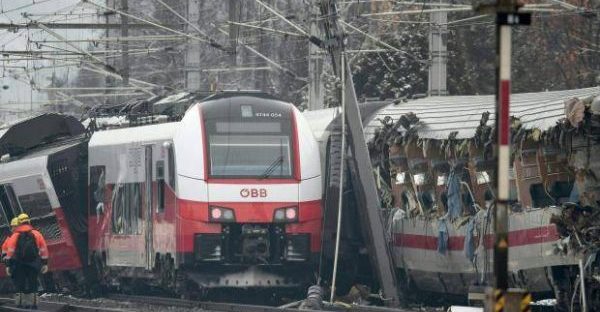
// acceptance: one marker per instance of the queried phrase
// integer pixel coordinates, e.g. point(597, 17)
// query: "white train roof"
point(154, 132)
point(442, 115)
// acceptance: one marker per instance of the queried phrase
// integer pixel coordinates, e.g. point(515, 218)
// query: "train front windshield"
point(259, 156)
point(250, 150)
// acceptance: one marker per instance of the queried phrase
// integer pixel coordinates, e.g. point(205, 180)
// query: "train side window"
point(160, 179)
point(36, 204)
point(3, 217)
point(171, 168)
point(97, 189)
point(10, 204)
point(127, 209)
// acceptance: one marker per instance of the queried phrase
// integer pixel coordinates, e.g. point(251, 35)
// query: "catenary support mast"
point(367, 197)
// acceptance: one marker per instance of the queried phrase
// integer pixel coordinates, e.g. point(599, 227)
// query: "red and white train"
point(229, 196)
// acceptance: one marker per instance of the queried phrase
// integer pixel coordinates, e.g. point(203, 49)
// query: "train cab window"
point(36, 204)
point(8, 200)
point(160, 180)
point(97, 190)
point(250, 156)
point(127, 209)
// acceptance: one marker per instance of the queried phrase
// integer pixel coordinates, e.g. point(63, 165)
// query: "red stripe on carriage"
point(516, 238)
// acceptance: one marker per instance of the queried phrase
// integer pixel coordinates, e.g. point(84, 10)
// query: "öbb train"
point(229, 195)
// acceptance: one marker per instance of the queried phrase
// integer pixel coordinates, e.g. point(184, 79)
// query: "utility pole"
point(125, 48)
point(364, 186)
point(192, 53)
point(507, 15)
point(438, 53)
point(234, 29)
point(316, 92)
point(108, 80)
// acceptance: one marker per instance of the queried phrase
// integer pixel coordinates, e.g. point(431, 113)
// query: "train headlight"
point(288, 214)
point(220, 214)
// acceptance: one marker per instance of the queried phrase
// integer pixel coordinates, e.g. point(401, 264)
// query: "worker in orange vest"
point(27, 256)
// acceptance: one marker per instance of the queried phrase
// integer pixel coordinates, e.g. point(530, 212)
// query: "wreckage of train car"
point(434, 159)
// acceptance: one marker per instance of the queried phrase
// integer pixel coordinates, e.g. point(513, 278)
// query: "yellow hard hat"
point(23, 218)
point(14, 221)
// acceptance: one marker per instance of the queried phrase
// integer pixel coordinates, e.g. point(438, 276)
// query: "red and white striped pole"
point(502, 175)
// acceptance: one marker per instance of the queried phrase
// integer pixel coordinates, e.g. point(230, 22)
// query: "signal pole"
point(507, 15)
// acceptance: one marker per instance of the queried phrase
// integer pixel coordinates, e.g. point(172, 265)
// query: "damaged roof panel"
point(442, 115)
point(31, 132)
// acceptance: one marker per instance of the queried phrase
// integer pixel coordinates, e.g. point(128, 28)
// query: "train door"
point(149, 211)
point(126, 238)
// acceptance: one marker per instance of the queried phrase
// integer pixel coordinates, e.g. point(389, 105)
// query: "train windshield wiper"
point(276, 163)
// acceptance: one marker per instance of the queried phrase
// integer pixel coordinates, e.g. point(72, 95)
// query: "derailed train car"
point(43, 174)
point(227, 195)
point(435, 164)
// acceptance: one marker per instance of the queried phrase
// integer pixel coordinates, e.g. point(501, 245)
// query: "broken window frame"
point(37, 205)
point(127, 204)
point(97, 192)
point(7, 192)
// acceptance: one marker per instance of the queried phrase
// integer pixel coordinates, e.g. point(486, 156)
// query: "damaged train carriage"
point(435, 164)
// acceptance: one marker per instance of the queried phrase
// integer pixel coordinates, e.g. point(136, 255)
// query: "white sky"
point(19, 93)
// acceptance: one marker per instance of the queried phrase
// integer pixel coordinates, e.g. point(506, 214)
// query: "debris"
point(314, 299)
point(469, 246)
point(580, 223)
point(454, 196)
point(574, 110)
point(442, 236)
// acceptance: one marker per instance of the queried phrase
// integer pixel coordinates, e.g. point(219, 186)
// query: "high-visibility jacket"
point(9, 246)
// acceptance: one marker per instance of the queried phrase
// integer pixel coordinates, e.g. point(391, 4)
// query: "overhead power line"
point(52, 25)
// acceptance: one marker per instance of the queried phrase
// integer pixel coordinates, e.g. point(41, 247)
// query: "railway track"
point(233, 307)
point(142, 303)
point(6, 304)
point(132, 303)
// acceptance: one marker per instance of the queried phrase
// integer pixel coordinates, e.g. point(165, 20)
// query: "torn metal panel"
point(442, 115)
point(554, 186)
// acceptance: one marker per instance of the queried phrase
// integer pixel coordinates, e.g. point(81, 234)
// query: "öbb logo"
point(252, 192)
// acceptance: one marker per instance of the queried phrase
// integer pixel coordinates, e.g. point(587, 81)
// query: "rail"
point(233, 307)
point(6, 304)
point(46, 305)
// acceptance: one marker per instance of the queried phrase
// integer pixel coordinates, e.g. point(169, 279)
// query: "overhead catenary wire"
point(298, 28)
point(146, 21)
point(379, 41)
point(267, 59)
point(58, 36)
point(267, 29)
point(196, 28)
